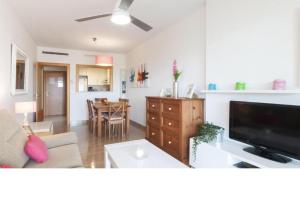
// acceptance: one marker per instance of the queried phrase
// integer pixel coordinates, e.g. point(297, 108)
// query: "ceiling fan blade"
point(93, 17)
point(125, 4)
point(140, 24)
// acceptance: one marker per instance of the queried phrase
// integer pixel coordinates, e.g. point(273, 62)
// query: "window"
point(93, 78)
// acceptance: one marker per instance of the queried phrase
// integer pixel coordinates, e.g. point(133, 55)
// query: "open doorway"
point(53, 93)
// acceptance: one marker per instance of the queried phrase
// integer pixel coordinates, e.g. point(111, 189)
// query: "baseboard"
point(79, 123)
point(137, 125)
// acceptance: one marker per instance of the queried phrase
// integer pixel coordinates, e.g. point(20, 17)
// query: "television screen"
point(275, 127)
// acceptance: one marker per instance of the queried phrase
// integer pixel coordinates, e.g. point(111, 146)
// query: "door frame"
point(60, 65)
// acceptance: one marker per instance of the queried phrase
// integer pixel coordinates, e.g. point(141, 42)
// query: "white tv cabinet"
point(228, 153)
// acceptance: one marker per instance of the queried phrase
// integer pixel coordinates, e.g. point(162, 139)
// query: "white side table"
point(42, 128)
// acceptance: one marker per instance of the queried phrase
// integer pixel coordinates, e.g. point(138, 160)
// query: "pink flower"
point(174, 67)
point(176, 72)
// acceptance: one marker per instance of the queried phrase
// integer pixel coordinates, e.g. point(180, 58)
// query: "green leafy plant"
point(207, 132)
point(176, 72)
point(177, 75)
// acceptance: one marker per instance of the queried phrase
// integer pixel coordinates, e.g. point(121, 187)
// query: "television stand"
point(228, 153)
point(267, 154)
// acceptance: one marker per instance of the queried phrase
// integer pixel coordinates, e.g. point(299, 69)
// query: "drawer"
point(153, 118)
point(171, 143)
point(171, 108)
point(170, 123)
point(153, 105)
point(154, 135)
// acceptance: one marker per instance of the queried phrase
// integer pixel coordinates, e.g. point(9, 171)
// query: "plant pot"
point(220, 136)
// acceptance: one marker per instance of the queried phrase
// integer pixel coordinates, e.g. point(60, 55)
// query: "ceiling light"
point(105, 61)
point(121, 17)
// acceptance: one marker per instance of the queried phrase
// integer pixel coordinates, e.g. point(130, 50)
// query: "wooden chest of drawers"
point(171, 122)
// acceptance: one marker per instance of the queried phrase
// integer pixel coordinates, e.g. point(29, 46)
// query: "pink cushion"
point(36, 149)
point(5, 166)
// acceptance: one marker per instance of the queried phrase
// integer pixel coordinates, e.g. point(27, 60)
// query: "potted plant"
point(207, 132)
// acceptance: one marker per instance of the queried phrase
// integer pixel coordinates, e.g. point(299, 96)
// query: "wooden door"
point(55, 93)
point(39, 93)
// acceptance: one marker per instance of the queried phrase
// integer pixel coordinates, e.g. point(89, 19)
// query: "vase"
point(240, 86)
point(220, 136)
point(212, 86)
point(175, 89)
point(279, 84)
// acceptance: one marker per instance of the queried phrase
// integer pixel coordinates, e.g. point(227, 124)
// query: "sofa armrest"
point(58, 140)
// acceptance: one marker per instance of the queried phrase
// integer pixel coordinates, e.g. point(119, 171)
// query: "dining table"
point(101, 108)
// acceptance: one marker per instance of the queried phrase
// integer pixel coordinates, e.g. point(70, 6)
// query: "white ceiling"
point(51, 22)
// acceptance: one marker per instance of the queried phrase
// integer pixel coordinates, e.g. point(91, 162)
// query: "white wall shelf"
point(295, 91)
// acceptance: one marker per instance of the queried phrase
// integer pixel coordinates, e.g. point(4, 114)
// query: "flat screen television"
point(273, 130)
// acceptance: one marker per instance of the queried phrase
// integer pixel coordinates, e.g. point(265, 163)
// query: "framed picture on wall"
point(162, 93)
point(139, 77)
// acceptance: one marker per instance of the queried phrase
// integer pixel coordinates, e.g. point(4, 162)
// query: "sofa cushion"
point(67, 156)
point(60, 139)
point(12, 141)
point(36, 149)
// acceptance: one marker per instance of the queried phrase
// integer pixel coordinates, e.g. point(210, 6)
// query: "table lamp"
point(25, 108)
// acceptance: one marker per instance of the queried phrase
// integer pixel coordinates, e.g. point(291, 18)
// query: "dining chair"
point(125, 101)
point(101, 100)
point(93, 118)
point(90, 114)
point(115, 116)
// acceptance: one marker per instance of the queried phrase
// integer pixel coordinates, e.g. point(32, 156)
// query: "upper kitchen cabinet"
point(94, 78)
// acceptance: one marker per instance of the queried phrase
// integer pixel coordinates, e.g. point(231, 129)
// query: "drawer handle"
point(153, 105)
point(153, 134)
point(170, 124)
point(153, 118)
point(170, 108)
point(170, 142)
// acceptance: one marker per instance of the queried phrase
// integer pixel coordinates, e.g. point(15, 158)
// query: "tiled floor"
point(91, 147)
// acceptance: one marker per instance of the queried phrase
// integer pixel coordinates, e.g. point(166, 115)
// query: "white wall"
point(12, 31)
point(185, 42)
point(255, 41)
point(78, 106)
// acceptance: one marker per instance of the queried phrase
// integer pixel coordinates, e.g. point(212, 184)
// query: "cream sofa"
point(63, 151)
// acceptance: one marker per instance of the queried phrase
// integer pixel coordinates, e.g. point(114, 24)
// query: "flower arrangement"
point(176, 72)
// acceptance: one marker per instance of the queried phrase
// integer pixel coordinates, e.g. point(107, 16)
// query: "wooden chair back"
point(89, 108)
point(92, 116)
point(92, 111)
point(116, 109)
point(125, 101)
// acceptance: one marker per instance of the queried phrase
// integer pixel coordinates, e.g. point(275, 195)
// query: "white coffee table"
point(123, 155)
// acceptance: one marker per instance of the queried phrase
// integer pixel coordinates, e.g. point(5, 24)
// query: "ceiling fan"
point(121, 16)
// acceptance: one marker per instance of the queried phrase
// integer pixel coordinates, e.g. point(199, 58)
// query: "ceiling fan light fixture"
point(121, 17)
